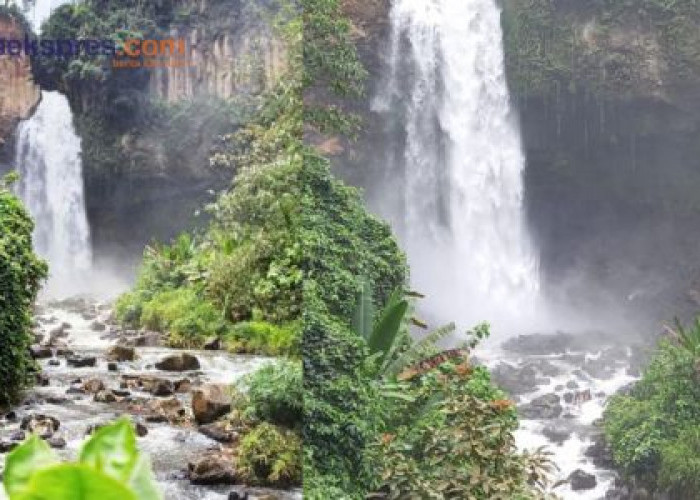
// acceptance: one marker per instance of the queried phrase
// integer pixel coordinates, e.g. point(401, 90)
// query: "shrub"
point(264, 338)
point(652, 430)
point(21, 273)
point(275, 393)
point(271, 455)
point(110, 467)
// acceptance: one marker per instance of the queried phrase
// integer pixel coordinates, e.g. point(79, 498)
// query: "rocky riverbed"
point(561, 383)
point(92, 372)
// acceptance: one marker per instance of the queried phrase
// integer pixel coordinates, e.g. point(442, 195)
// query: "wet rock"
point(168, 410)
point(75, 390)
point(210, 402)
point(63, 351)
point(178, 363)
point(105, 396)
point(219, 431)
point(581, 480)
point(43, 425)
point(162, 388)
point(121, 353)
point(40, 351)
point(147, 339)
point(54, 362)
point(141, 429)
point(568, 397)
point(212, 469)
point(517, 380)
point(121, 393)
point(182, 385)
point(98, 326)
point(57, 400)
point(56, 442)
point(542, 407)
point(112, 366)
point(42, 380)
point(81, 361)
point(212, 344)
point(93, 385)
point(600, 453)
point(556, 433)
point(601, 368)
point(7, 446)
point(66, 326)
point(10, 416)
point(572, 384)
point(238, 495)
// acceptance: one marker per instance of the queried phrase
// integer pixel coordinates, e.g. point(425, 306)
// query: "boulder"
point(42, 380)
point(81, 361)
point(556, 433)
point(178, 363)
point(147, 339)
point(93, 385)
point(210, 402)
point(112, 366)
point(543, 407)
point(166, 410)
point(121, 353)
point(105, 396)
point(182, 385)
point(212, 344)
point(40, 351)
point(8, 446)
point(581, 480)
point(212, 469)
point(56, 442)
point(98, 326)
point(161, 387)
point(219, 431)
point(54, 362)
point(43, 425)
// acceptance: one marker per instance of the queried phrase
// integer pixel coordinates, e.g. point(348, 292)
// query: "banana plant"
point(388, 337)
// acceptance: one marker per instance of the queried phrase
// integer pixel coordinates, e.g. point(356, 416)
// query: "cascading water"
point(459, 156)
point(51, 185)
point(48, 157)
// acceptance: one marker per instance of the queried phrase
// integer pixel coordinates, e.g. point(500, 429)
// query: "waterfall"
point(51, 185)
point(455, 148)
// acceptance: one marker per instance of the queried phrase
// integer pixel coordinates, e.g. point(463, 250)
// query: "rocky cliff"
point(230, 52)
point(18, 93)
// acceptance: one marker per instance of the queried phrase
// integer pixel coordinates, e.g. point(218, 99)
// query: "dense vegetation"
point(376, 423)
point(653, 430)
point(601, 47)
point(109, 467)
point(21, 274)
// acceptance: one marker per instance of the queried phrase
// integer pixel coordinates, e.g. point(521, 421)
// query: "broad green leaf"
point(388, 326)
point(74, 482)
point(31, 456)
point(143, 482)
point(112, 450)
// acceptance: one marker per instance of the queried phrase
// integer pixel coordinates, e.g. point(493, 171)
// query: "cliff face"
point(18, 93)
point(229, 54)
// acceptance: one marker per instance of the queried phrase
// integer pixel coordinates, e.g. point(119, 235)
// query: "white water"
point(462, 162)
point(51, 185)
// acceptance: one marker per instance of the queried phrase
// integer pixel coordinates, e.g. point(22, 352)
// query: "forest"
point(351, 249)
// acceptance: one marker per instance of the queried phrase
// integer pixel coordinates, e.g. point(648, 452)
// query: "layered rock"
point(19, 95)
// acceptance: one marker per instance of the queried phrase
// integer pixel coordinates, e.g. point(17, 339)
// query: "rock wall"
point(229, 54)
point(18, 93)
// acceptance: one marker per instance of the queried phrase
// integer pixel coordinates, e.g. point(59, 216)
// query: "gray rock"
point(178, 363)
point(82, 361)
point(542, 407)
point(581, 480)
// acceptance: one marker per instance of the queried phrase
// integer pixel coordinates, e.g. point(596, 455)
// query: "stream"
point(79, 331)
point(561, 383)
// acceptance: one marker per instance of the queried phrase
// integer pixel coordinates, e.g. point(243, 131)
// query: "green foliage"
point(274, 393)
point(271, 455)
point(459, 445)
point(110, 467)
point(646, 428)
point(21, 274)
point(264, 338)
